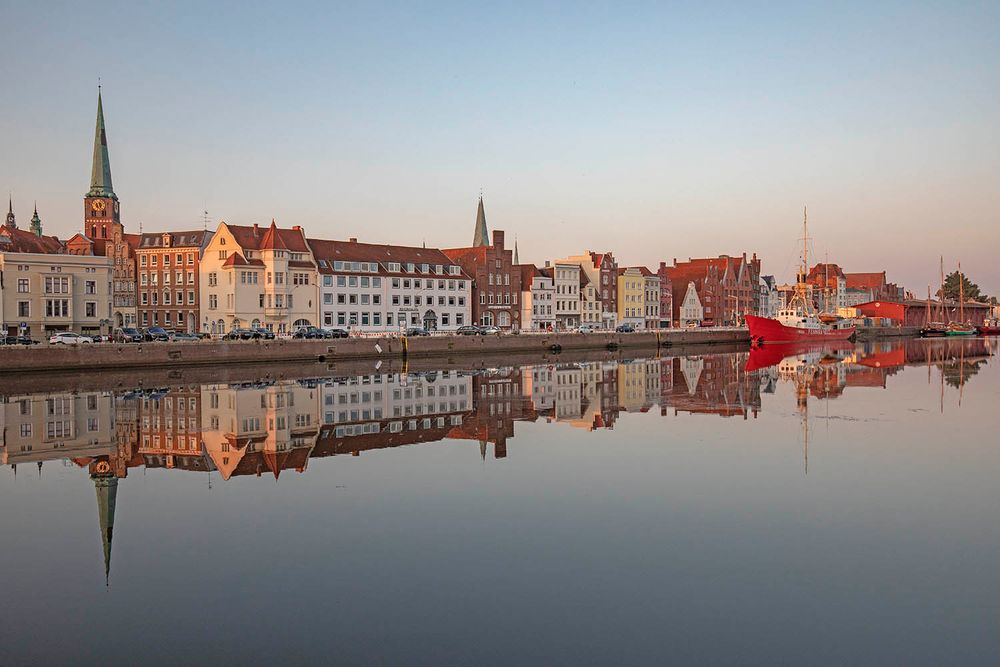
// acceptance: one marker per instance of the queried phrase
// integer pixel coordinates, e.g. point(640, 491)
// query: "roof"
point(529, 272)
point(823, 270)
point(252, 237)
point(153, 240)
point(383, 254)
point(20, 240)
point(100, 174)
point(865, 280)
point(481, 236)
point(272, 239)
point(644, 271)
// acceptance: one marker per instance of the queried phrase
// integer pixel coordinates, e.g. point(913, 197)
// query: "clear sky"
point(654, 130)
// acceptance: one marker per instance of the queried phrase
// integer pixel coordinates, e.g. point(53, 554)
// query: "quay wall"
point(107, 356)
point(876, 333)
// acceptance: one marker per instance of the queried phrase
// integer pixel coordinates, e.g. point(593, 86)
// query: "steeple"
point(100, 174)
point(36, 223)
point(11, 220)
point(482, 237)
point(516, 260)
point(107, 493)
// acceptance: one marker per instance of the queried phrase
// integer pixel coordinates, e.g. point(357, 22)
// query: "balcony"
point(275, 313)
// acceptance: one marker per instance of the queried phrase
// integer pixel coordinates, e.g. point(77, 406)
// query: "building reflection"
point(271, 427)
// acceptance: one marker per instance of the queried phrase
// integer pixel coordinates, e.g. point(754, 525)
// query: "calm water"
point(832, 507)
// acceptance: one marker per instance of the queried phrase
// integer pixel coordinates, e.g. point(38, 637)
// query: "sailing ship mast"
point(941, 304)
point(961, 295)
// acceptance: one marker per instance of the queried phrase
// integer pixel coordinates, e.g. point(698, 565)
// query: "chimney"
point(353, 239)
point(256, 231)
point(548, 264)
point(297, 228)
point(663, 265)
point(498, 238)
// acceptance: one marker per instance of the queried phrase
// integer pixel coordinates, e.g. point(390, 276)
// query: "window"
point(56, 308)
point(90, 309)
point(24, 309)
point(213, 301)
point(22, 286)
point(142, 260)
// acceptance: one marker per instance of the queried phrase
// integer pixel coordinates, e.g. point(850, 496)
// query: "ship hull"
point(989, 330)
point(768, 330)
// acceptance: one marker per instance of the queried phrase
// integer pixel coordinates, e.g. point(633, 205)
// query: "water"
point(838, 507)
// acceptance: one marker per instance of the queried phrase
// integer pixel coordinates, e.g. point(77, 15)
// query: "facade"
point(566, 278)
point(876, 284)
point(40, 427)
point(650, 299)
point(631, 297)
point(537, 299)
point(169, 272)
point(169, 429)
point(496, 282)
point(690, 310)
point(666, 296)
point(770, 301)
point(45, 290)
point(379, 288)
point(590, 302)
point(103, 232)
point(829, 287)
point(601, 270)
point(728, 287)
point(258, 277)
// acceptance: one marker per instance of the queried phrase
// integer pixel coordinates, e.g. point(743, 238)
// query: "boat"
point(934, 329)
point(961, 328)
point(990, 328)
point(798, 321)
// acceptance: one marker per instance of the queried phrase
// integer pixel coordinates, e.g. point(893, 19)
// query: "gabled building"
point(829, 287)
point(689, 308)
point(727, 286)
point(566, 278)
point(666, 296)
point(650, 299)
point(631, 297)
point(602, 271)
point(496, 282)
point(537, 299)
point(873, 284)
point(253, 276)
point(169, 272)
point(385, 288)
point(590, 302)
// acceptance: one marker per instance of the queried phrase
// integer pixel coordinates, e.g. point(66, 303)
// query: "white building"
point(378, 288)
point(691, 310)
point(770, 300)
point(566, 278)
point(590, 302)
point(537, 299)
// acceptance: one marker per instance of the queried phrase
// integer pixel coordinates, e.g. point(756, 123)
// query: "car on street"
point(69, 338)
point(17, 340)
point(490, 330)
point(468, 330)
point(625, 328)
point(310, 333)
point(241, 334)
point(262, 333)
point(417, 331)
point(182, 337)
point(586, 328)
point(128, 335)
point(337, 333)
point(155, 334)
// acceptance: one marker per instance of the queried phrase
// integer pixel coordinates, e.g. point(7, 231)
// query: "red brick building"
point(666, 296)
point(168, 279)
point(727, 287)
point(496, 282)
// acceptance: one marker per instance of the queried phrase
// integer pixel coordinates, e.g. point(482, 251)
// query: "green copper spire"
point(107, 494)
point(482, 237)
point(11, 220)
point(100, 174)
point(516, 260)
point(36, 223)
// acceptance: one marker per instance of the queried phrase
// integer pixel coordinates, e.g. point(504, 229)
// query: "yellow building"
point(631, 296)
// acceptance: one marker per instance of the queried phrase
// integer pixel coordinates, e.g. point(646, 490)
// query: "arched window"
point(503, 319)
point(486, 319)
point(255, 324)
point(302, 323)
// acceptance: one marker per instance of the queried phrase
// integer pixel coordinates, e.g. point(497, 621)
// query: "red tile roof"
point(252, 237)
point(382, 254)
point(19, 240)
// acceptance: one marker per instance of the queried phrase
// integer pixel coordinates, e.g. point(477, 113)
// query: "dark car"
point(156, 334)
point(182, 337)
point(468, 330)
point(241, 334)
point(128, 335)
point(417, 331)
point(625, 328)
point(337, 333)
point(261, 332)
point(310, 332)
point(17, 340)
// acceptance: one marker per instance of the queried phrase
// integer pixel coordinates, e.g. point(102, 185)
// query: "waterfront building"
point(169, 273)
point(169, 429)
point(631, 297)
point(103, 232)
point(537, 299)
point(689, 307)
point(666, 296)
point(602, 271)
point(258, 277)
point(650, 299)
point(590, 302)
point(62, 425)
point(829, 287)
point(378, 288)
point(728, 286)
point(496, 283)
point(875, 284)
point(770, 300)
point(44, 290)
point(566, 278)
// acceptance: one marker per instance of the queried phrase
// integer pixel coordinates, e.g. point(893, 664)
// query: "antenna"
point(204, 220)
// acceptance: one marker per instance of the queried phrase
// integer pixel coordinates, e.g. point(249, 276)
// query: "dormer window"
point(166, 240)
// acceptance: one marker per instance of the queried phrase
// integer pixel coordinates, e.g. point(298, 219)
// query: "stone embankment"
point(877, 333)
point(16, 360)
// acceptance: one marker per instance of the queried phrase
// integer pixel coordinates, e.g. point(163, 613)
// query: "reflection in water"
point(279, 426)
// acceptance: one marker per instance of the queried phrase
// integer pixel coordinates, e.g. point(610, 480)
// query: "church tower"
point(11, 220)
point(100, 205)
point(36, 223)
point(106, 486)
point(481, 236)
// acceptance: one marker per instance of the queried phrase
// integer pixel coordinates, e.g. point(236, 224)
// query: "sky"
point(655, 130)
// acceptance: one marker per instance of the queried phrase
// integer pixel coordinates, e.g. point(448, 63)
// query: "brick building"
point(168, 279)
point(727, 286)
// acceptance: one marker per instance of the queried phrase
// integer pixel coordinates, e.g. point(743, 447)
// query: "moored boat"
point(990, 328)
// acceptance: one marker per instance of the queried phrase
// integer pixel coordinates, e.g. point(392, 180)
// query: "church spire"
point(516, 260)
point(100, 174)
point(107, 493)
point(11, 220)
point(36, 223)
point(482, 237)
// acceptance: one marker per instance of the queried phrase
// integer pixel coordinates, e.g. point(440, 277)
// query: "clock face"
point(98, 205)
point(103, 467)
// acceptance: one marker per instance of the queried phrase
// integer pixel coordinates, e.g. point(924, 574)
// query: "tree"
point(970, 289)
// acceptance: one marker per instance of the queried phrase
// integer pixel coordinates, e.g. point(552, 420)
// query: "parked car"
point(337, 333)
point(417, 331)
point(468, 330)
point(586, 328)
point(262, 333)
point(17, 340)
point(158, 334)
point(128, 335)
point(310, 332)
point(182, 337)
point(490, 330)
point(693, 324)
point(69, 338)
point(625, 328)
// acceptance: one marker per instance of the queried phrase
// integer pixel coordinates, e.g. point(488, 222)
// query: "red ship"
point(799, 321)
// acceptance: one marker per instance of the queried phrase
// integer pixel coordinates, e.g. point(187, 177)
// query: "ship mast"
point(941, 304)
point(801, 289)
point(961, 295)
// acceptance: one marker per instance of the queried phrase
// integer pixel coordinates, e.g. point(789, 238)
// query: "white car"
point(586, 328)
point(69, 338)
point(490, 330)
